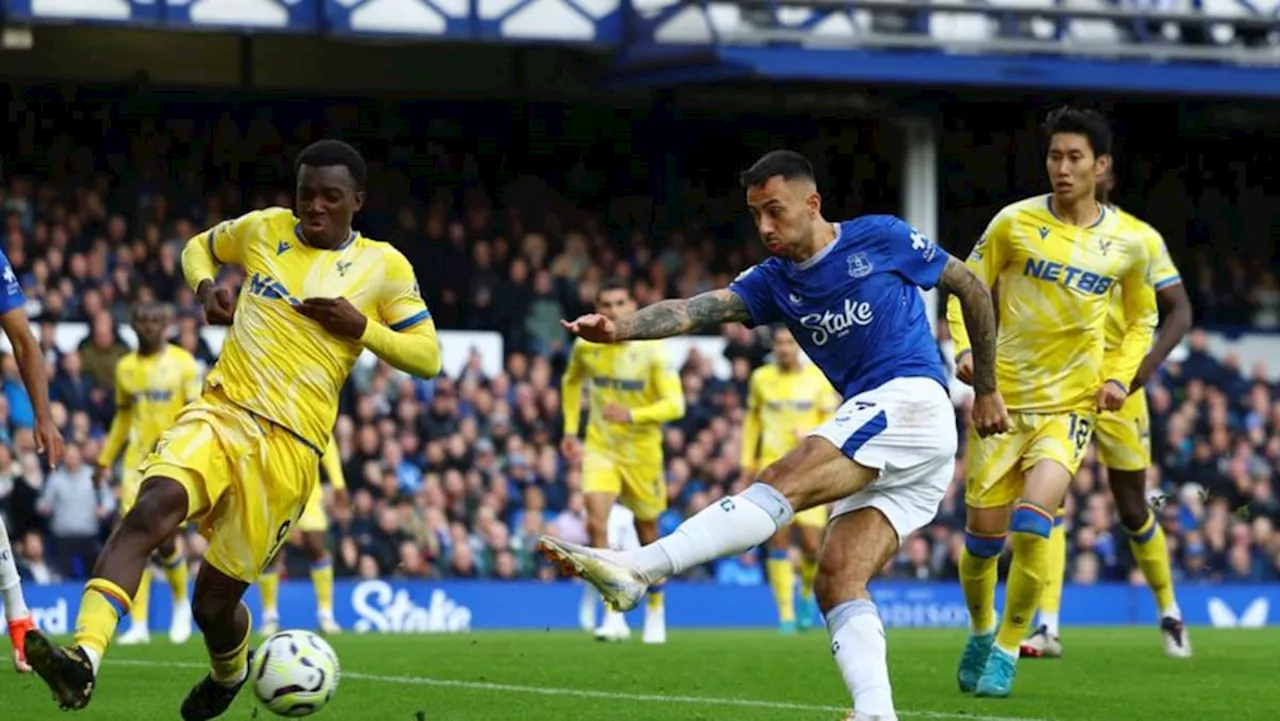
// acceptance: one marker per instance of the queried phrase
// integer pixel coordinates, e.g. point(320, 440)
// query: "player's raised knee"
point(1031, 519)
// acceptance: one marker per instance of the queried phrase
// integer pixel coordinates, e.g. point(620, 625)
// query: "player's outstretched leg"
point(858, 545)
point(224, 620)
point(15, 605)
point(817, 472)
point(979, 572)
point(1147, 541)
point(174, 562)
point(782, 579)
point(70, 672)
point(321, 580)
point(1045, 642)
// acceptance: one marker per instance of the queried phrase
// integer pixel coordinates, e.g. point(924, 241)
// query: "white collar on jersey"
point(817, 257)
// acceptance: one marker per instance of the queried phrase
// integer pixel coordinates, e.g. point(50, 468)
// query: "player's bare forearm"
point(677, 317)
point(979, 320)
point(1176, 304)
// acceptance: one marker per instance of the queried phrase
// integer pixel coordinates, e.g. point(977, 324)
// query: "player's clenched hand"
point(571, 447)
point(1111, 396)
point(49, 441)
point(988, 415)
point(335, 315)
point(218, 301)
point(593, 327)
point(964, 369)
point(616, 413)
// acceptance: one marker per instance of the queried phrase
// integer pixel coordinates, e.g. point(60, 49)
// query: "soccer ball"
point(294, 673)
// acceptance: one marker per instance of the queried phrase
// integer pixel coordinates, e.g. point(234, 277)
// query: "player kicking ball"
point(1123, 440)
point(31, 365)
point(153, 384)
point(849, 292)
point(314, 526)
point(243, 459)
point(1057, 259)
point(631, 392)
point(785, 400)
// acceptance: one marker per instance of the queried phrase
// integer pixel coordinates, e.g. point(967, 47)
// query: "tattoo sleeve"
point(979, 320)
point(677, 317)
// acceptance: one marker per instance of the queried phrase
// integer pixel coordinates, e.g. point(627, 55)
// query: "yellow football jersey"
point(634, 375)
point(278, 363)
point(781, 408)
point(1055, 291)
point(1162, 275)
point(150, 390)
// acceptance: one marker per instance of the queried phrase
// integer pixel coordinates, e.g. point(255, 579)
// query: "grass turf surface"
point(1107, 675)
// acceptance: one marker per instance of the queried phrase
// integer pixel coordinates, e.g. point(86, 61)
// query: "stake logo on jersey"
point(855, 308)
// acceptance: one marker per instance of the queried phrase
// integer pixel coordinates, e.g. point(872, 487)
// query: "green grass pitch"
point(1107, 675)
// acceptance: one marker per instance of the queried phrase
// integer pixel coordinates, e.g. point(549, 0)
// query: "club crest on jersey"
point(795, 299)
point(859, 265)
point(1104, 245)
point(342, 266)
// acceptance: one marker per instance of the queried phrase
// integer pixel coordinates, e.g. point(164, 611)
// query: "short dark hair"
point(613, 284)
point(146, 307)
point(328, 153)
point(787, 163)
point(1090, 123)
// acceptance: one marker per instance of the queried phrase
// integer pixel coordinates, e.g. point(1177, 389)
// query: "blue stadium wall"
point(457, 607)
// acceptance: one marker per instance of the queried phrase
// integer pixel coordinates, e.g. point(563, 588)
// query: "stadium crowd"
point(457, 477)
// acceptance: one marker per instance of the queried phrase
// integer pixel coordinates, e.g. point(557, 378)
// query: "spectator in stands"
point(31, 561)
point(76, 510)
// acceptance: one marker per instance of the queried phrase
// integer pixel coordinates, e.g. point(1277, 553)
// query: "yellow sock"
point(230, 667)
point(175, 572)
point(322, 579)
point(269, 586)
point(1031, 527)
point(1152, 554)
point(140, 608)
point(655, 598)
point(782, 579)
point(1055, 568)
point(978, 577)
point(808, 572)
point(101, 608)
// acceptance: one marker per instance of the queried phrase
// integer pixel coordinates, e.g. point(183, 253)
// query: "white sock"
point(1173, 611)
point(725, 528)
point(858, 646)
point(1050, 622)
point(94, 658)
point(613, 619)
point(15, 606)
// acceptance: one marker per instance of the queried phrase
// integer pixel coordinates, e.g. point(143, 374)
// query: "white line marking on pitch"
point(602, 695)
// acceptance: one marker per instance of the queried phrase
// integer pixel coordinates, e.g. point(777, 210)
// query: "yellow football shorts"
point(313, 518)
point(246, 480)
point(642, 487)
point(997, 463)
point(813, 518)
point(1124, 436)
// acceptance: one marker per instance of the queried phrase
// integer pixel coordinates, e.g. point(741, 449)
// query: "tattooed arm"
point(677, 317)
point(979, 319)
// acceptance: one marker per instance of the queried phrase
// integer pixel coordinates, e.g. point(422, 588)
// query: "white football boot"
point(621, 587)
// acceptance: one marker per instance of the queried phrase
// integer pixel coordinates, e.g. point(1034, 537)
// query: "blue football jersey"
point(855, 308)
point(11, 295)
